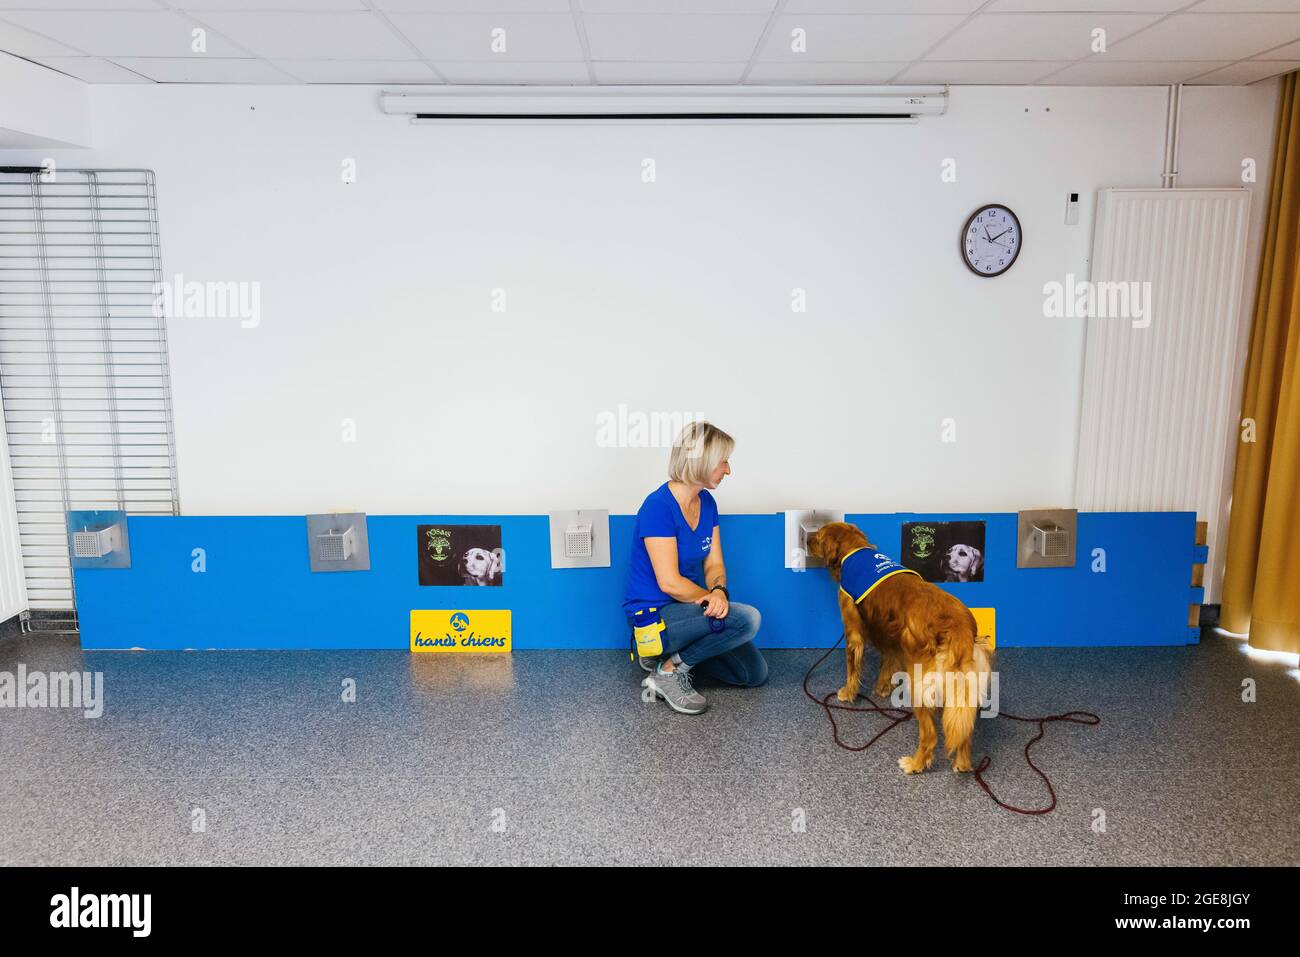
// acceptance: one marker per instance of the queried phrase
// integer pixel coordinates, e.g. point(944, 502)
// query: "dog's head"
point(480, 564)
point(962, 563)
point(830, 543)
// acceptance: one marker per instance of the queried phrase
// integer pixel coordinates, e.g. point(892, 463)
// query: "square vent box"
point(1047, 538)
point(799, 524)
point(580, 539)
point(98, 539)
point(338, 542)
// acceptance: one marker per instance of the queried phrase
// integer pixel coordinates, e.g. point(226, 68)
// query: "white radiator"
point(1158, 409)
point(13, 587)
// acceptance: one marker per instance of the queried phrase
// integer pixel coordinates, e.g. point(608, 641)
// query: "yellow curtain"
point(1261, 588)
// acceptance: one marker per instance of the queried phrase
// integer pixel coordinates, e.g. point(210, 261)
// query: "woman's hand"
point(715, 605)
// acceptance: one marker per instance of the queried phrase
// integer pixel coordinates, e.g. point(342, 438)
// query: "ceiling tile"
point(668, 74)
point(1289, 52)
point(1085, 6)
point(677, 6)
point(1101, 71)
point(25, 43)
point(880, 6)
point(473, 6)
point(1247, 6)
point(813, 72)
point(92, 69)
point(1210, 36)
point(359, 71)
point(1035, 36)
point(197, 70)
point(514, 72)
point(204, 6)
point(311, 36)
point(81, 5)
point(977, 72)
point(842, 38)
point(649, 37)
point(1248, 71)
point(539, 37)
point(125, 33)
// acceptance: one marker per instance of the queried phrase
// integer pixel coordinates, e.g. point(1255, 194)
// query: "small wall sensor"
point(577, 540)
point(97, 543)
point(1072, 209)
point(337, 546)
point(338, 542)
point(98, 539)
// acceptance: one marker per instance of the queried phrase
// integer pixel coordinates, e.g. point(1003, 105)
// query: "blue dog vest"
point(863, 569)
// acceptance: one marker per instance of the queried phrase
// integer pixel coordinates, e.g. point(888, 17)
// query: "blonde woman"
point(677, 570)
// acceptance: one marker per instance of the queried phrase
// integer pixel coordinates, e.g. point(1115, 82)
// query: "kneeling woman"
point(677, 573)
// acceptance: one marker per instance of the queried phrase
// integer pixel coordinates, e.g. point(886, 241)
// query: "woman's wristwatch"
point(723, 589)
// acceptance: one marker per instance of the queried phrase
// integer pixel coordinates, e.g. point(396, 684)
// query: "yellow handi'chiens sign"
point(474, 630)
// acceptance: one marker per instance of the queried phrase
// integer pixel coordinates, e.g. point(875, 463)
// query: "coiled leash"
point(898, 716)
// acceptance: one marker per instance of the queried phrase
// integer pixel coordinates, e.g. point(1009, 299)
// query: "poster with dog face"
point(460, 555)
point(945, 551)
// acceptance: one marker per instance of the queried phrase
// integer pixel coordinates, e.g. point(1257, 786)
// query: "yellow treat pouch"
point(647, 630)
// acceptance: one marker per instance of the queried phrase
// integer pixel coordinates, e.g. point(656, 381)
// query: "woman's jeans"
point(728, 655)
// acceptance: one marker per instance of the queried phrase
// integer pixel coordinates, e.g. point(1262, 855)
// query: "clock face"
point(990, 241)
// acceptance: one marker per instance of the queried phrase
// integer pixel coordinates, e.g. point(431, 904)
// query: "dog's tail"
point(970, 683)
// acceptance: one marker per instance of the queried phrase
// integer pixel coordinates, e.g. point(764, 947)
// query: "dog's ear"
point(976, 562)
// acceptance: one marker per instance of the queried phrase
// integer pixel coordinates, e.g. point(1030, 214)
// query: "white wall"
point(375, 296)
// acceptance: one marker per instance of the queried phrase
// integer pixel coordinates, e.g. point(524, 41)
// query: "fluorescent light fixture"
point(544, 104)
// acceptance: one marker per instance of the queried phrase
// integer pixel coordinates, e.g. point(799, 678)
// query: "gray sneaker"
point(676, 689)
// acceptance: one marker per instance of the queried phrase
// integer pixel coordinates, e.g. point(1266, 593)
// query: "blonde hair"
point(699, 450)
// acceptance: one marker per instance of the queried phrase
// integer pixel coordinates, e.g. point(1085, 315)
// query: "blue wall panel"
point(258, 591)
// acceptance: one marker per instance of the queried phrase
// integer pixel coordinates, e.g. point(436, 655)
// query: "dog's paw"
point(910, 765)
point(883, 689)
point(847, 694)
point(961, 767)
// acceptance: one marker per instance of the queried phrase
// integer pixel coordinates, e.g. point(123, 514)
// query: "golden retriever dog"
point(921, 630)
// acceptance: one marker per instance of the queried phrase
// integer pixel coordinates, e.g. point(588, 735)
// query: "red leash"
point(898, 716)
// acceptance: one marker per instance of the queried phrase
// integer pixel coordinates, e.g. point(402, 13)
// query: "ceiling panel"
point(1086, 6)
point(310, 36)
point(122, 33)
point(1248, 71)
point(640, 74)
point(512, 72)
point(660, 42)
point(93, 70)
point(871, 38)
point(801, 73)
point(649, 37)
point(1107, 72)
point(1210, 36)
point(359, 71)
point(25, 43)
point(981, 71)
point(1035, 36)
point(210, 70)
point(546, 36)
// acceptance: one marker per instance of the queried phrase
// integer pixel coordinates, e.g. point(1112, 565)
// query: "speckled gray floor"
point(558, 750)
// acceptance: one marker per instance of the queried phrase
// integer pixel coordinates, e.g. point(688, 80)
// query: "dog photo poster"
point(945, 551)
point(460, 554)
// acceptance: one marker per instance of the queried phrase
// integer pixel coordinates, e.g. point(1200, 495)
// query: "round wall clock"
point(990, 240)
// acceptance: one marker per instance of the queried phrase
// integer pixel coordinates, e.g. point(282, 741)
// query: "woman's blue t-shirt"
point(661, 517)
